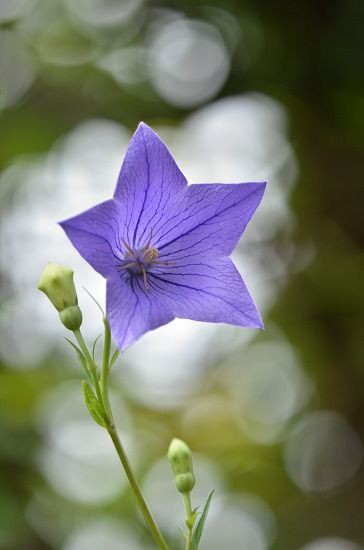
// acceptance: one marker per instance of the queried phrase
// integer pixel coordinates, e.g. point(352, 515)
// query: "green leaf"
point(81, 359)
point(78, 351)
point(94, 299)
point(115, 355)
point(190, 522)
point(94, 406)
point(199, 528)
point(94, 346)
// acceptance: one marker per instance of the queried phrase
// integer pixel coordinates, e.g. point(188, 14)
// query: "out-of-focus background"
point(240, 91)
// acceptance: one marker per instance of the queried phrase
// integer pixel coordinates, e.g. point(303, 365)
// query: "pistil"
point(138, 261)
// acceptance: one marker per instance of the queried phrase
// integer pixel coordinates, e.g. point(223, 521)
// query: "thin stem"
point(105, 370)
point(188, 509)
point(90, 362)
point(158, 537)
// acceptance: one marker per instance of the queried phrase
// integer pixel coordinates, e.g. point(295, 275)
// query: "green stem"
point(105, 370)
point(90, 362)
point(188, 509)
point(158, 537)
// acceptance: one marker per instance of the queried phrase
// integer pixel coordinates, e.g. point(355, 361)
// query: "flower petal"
point(212, 222)
point(148, 184)
point(206, 290)
point(95, 234)
point(132, 310)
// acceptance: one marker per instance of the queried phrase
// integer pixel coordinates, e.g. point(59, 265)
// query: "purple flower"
point(164, 246)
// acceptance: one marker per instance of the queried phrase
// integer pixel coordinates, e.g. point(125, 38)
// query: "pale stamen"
point(138, 261)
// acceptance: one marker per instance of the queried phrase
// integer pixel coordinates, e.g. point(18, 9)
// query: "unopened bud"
point(71, 317)
point(185, 482)
point(57, 283)
point(180, 458)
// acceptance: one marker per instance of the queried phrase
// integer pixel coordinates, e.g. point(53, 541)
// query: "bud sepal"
point(71, 317)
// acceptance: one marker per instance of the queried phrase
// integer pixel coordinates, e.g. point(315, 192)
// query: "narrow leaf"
point(74, 346)
point(199, 528)
point(94, 406)
point(190, 522)
point(94, 346)
point(94, 299)
point(81, 359)
point(115, 355)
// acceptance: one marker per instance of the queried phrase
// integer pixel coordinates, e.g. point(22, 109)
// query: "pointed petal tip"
point(144, 127)
point(141, 128)
point(144, 131)
point(255, 319)
point(147, 131)
point(260, 188)
point(65, 225)
point(62, 224)
point(262, 185)
point(252, 325)
point(256, 324)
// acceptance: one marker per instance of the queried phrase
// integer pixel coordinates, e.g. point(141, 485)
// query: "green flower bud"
point(71, 317)
point(185, 482)
point(180, 458)
point(57, 283)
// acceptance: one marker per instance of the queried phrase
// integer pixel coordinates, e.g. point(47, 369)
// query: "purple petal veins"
point(164, 246)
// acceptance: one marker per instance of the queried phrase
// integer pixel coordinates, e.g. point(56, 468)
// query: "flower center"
point(138, 261)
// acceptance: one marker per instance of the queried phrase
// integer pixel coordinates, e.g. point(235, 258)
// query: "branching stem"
point(91, 365)
point(102, 391)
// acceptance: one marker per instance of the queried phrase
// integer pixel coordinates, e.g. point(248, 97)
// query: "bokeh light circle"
point(332, 543)
point(104, 13)
point(188, 61)
point(232, 524)
point(106, 533)
point(269, 388)
point(76, 452)
point(323, 452)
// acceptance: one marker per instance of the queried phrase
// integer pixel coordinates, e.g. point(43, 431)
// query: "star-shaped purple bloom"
point(164, 246)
